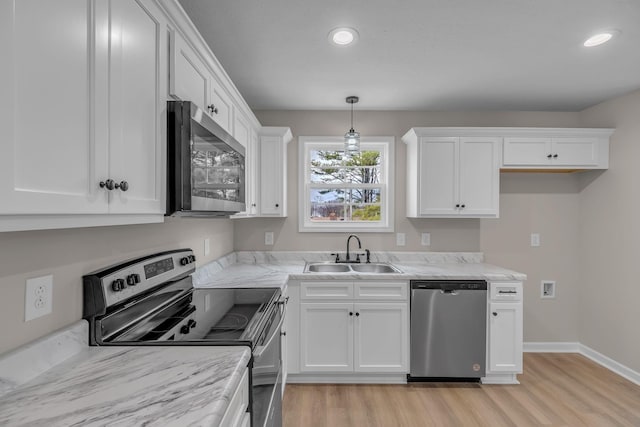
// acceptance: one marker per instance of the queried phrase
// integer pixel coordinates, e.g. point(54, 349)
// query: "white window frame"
point(386, 146)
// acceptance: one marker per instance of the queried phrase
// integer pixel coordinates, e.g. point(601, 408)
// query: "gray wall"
point(610, 238)
point(544, 203)
point(70, 253)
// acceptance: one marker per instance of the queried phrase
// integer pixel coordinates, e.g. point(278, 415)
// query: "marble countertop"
point(273, 269)
point(126, 386)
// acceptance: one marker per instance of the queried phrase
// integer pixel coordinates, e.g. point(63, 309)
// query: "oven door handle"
point(262, 348)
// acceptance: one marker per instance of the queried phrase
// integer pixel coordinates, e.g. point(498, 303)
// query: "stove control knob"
point(184, 261)
point(118, 285)
point(192, 258)
point(191, 323)
point(185, 329)
point(131, 280)
point(136, 278)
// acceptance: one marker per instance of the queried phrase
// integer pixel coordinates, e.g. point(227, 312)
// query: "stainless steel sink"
point(374, 268)
point(326, 268)
point(331, 267)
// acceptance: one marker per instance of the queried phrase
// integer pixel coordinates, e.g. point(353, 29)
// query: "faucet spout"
point(348, 259)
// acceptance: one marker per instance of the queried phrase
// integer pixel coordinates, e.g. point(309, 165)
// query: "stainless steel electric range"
point(151, 301)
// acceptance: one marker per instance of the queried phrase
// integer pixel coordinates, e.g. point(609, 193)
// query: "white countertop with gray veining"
point(273, 269)
point(122, 386)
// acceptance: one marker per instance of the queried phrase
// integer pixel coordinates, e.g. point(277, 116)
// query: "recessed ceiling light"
point(343, 36)
point(600, 38)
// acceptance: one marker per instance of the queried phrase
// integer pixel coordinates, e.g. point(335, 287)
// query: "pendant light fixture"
point(352, 138)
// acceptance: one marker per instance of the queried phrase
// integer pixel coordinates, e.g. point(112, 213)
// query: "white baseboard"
point(347, 379)
point(575, 347)
point(610, 364)
point(551, 347)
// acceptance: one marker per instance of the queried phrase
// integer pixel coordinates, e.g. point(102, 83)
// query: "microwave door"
point(217, 177)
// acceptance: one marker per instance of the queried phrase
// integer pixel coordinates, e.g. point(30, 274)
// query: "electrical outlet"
point(207, 246)
point(535, 239)
point(38, 297)
point(547, 289)
point(268, 238)
point(401, 239)
point(426, 239)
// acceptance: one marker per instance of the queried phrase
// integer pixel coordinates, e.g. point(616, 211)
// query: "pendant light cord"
point(352, 117)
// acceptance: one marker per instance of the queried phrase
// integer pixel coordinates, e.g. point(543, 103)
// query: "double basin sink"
point(332, 267)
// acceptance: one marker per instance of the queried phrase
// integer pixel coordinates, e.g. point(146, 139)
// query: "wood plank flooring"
point(557, 389)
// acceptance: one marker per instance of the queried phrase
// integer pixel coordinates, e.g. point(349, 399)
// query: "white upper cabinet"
point(452, 176)
point(189, 77)
point(135, 76)
point(100, 82)
point(191, 80)
point(50, 163)
point(273, 171)
point(241, 129)
point(556, 148)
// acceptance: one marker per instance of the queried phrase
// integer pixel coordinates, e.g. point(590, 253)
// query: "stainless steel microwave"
point(205, 165)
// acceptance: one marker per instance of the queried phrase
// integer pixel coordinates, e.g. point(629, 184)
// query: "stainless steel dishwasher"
point(448, 329)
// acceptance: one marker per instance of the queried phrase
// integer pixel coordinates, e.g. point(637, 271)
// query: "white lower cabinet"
point(504, 332)
point(344, 327)
point(505, 338)
point(326, 337)
point(236, 414)
point(380, 337)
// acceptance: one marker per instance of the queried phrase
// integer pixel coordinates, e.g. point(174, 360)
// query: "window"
point(341, 193)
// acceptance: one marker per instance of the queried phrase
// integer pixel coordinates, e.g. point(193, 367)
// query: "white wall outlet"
point(268, 237)
point(425, 240)
point(535, 239)
point(547, 289)
point(38, 297)
point(401, 239)
point(207, 246)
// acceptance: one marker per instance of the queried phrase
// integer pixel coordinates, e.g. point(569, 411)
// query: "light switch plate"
point(400, 239)
point(38, 297)
point(426, 239)
point(207, 246)
point(535, 239)
point(268, 237)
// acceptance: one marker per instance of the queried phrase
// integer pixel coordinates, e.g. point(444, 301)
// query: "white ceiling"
point(424, 54)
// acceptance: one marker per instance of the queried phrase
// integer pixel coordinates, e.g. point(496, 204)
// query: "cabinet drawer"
point(396, 291)
point(508, 291)
point(234, 416)
point(326, 290)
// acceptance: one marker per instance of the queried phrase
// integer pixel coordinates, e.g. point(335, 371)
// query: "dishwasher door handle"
point(448, 292)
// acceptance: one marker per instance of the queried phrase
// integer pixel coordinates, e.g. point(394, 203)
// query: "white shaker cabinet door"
point(381, 337)
point(271, 176)
point(577, 151)
point(136, 105)
point(326, 337)
point(220, 106)
point(438, 186)
point(527, 151)
point(50, 161)
point(479, 176)
point(189, 77)
point(505, 337)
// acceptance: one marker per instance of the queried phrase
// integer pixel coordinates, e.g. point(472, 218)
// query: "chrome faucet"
point(348, 258)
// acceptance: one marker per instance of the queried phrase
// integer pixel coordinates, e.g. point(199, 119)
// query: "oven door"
point(266, 391)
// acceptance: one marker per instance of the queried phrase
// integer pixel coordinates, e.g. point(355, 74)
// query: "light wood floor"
point(555, 390)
